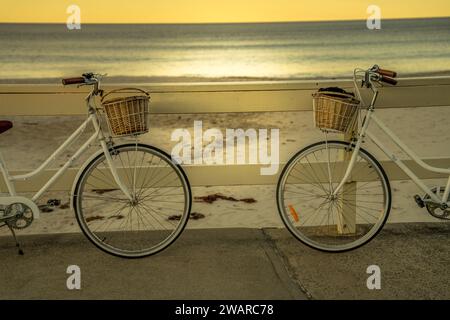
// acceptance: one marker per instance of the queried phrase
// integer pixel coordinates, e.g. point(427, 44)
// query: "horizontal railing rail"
point(53, 99)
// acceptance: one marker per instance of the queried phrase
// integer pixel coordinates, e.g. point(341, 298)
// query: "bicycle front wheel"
point(336, 223)
point(145, 225)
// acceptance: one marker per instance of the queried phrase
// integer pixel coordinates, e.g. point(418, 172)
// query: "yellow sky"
point(201, 11)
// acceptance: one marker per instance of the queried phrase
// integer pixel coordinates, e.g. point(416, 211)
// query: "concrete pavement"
point(233, 264)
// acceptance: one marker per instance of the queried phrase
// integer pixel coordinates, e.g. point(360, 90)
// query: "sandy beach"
point(34, 138)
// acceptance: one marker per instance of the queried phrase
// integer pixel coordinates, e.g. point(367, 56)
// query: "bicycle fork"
point(356, 149)
point(110, 163)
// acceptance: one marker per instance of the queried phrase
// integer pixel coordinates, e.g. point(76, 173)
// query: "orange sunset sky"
point(204, 11)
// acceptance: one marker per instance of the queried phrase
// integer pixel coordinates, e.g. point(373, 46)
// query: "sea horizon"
point(226, 23)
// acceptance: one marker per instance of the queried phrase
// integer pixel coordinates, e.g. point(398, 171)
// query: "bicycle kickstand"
point(16, 240)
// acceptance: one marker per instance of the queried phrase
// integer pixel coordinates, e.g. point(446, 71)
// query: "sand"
point(34, 138)
point(229, 214)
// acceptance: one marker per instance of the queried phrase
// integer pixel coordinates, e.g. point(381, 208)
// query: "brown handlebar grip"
point(387, 73)
point(77, 80)
point(389, 80)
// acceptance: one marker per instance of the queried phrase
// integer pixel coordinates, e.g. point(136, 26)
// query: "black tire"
point(281, 205)
point(77, 199)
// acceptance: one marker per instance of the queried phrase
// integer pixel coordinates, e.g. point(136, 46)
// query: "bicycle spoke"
point(142, 225)
point(323, 220)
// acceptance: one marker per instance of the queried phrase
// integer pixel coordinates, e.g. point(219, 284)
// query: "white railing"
point(53, 99)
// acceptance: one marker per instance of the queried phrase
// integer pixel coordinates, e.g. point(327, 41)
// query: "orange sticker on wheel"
point(293, 213)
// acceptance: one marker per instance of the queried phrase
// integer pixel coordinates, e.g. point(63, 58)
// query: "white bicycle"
point(130, 200)
point(334, 195)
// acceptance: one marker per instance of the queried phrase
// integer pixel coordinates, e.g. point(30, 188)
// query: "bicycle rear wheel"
point(333, 223)
point(149, 223)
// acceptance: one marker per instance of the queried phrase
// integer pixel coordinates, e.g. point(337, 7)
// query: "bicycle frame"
point(97, 135)
point(364, 132)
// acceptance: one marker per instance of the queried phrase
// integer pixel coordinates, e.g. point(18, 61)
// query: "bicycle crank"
point(18, 216)
point(436, 209)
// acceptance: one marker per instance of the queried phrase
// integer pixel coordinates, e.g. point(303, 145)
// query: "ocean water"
point(224, 51)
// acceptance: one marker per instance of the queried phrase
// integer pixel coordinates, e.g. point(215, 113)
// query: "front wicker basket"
point(127, 115)
point(335, 112)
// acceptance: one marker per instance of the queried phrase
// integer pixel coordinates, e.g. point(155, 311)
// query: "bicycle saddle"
point(5, 126)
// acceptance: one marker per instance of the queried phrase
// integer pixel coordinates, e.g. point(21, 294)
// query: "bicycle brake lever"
point(375, 68)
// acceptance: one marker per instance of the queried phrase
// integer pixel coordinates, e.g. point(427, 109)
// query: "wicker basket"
point(335, 112)
point(127, 115)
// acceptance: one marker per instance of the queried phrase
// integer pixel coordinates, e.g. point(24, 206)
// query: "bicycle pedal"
point(53, 202)
point(419, 201)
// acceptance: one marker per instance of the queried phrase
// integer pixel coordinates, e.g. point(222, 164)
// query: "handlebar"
point(384, 75)
point(88, 78)
point(388, 80)
point(387, 73)
point(85, 80)
point(369, 78)
point(76, 80)
point(375, 74)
